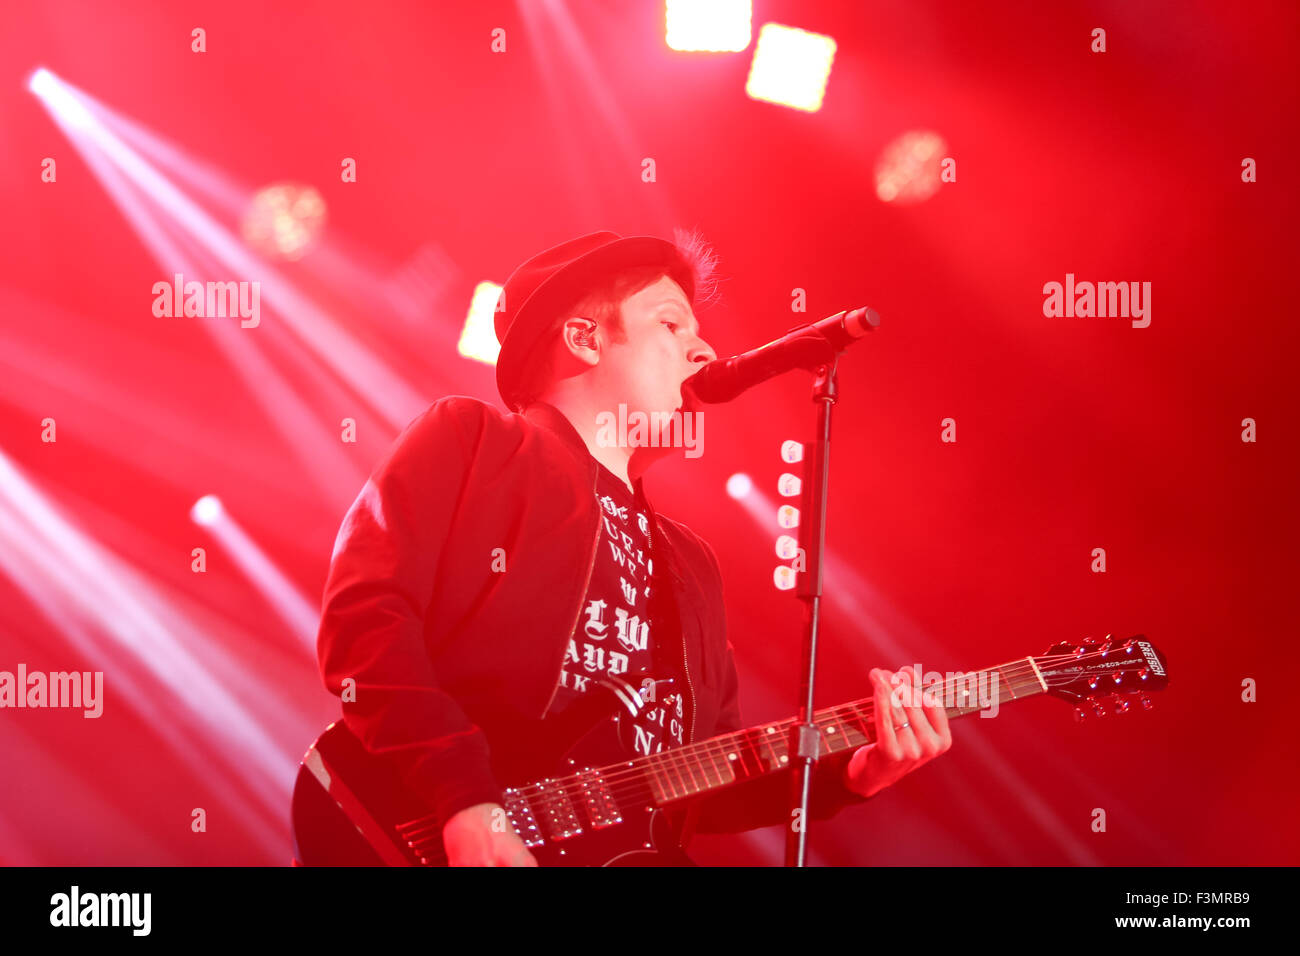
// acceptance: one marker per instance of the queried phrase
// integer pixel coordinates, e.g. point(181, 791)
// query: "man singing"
point(500, 568)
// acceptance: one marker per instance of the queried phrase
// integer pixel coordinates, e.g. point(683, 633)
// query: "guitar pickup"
point(521, 818)
point(559, 819)
point(601, 809)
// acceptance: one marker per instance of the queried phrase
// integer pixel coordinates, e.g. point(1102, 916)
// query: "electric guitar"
point(350, 807)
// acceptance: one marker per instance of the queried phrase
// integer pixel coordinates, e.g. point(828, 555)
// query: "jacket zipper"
point(681, 628)
point(690, 737)
point(582, 596)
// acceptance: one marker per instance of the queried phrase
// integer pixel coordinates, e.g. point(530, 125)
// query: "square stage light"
point(717, 26)
point(790, 67)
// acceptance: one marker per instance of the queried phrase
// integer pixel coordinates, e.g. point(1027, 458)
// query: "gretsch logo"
point(1149, 653)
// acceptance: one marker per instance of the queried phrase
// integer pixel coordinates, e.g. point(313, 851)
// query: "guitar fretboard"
point(698, 768)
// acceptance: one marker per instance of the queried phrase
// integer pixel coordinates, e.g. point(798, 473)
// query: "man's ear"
point(581, 339)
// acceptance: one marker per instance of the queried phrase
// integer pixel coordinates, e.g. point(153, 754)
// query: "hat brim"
point(566, 286)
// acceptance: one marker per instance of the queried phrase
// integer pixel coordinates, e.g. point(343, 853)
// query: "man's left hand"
point(906, 737)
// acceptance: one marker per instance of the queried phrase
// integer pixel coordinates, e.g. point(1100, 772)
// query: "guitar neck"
point(699, 768)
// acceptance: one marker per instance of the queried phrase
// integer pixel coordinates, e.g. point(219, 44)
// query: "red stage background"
point(1072, 433)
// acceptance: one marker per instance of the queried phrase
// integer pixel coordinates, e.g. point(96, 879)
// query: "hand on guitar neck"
point(906, 736)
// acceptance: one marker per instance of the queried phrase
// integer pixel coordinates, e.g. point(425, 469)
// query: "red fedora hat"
point(557, 278)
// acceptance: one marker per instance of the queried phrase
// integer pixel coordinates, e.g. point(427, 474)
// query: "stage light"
point(791, 451)
point(910, 167)
point(284, 220)
point(56, 95)
point(786, 547)
point(207, 510)
point(41, 81)
point(790, 67)
point(301, 616)
point(783, 577)
point(718, 26)
point(478, 339)
point(787, 516)
point(740, 485)
point(788, 485)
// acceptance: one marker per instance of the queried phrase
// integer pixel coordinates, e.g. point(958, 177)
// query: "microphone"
point(805, 346)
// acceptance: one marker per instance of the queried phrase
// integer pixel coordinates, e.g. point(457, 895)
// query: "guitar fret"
point(697, 759)
point(865, 722)
point(719, 769)
point(770, 736)
point(663, 787)
point(672, 774)
point(752, 752)
point(688, 765)
point(739, 746)
point(685, 771)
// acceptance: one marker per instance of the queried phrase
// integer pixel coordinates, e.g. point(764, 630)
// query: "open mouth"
point(688, 403)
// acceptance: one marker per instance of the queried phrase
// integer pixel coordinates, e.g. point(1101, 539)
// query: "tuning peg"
point(1105, 647)
point(1130, 646)
point(1147, 702)
point(1144, 673)
point(1121, 705)
point(1119, 676)
point(1092, 683)
point(1080, 651)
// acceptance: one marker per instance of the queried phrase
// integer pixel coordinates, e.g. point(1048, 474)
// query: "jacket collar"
point(548, 416)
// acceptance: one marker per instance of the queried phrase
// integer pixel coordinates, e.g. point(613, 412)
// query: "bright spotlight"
point(284, 220)
point(717, 26)
point(790, 67)
point(60, 100)
point(910, 168)
point(206, 510)
point(739, 485)
point(41, 81)
point(478, 339)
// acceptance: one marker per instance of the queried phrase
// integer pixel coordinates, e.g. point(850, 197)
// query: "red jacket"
point(437, 640)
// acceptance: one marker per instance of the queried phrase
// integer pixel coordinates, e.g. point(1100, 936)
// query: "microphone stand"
point(804, 741)
point(815, 347)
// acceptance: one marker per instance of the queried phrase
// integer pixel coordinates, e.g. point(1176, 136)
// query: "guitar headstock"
point(1104, 676)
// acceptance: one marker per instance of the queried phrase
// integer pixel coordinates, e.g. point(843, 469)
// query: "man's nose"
point(701, 352)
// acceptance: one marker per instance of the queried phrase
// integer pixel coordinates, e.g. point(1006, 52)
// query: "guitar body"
point(351, 808)
point(385, 825)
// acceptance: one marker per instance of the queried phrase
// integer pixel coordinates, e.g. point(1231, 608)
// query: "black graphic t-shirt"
point(615, 638)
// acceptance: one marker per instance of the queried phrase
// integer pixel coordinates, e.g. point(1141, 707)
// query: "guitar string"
point(677, 761)
point(620, 780)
